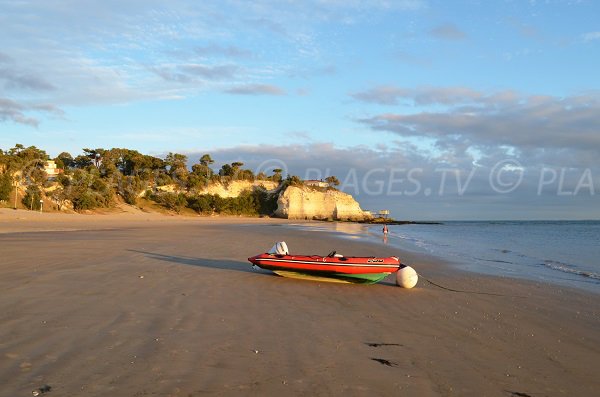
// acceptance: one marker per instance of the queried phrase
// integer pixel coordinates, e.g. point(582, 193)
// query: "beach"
point(140, 304)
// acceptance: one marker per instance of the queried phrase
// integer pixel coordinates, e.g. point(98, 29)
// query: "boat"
point(332, 267)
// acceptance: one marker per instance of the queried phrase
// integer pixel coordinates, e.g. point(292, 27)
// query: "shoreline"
point(24, 221)
point(366, 234)
point(172, 307)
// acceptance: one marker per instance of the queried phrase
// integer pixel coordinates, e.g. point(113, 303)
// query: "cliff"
point(306, 203)
point(231, 189)
point(295, 202)
point(234, 188)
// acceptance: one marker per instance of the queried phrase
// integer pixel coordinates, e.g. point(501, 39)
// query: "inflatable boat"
point(333, 267)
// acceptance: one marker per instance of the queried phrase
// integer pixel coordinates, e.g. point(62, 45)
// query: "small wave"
point(563, 267)
point(413, 240)
point(495, 261)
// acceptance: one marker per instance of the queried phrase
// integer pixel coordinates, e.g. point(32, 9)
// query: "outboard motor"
point(280, 248)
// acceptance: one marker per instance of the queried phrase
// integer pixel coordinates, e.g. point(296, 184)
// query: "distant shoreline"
point(121, 209)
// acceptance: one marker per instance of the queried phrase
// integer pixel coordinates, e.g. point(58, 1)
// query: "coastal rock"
point(225, 190)
point(307, 203)
point(235, 188)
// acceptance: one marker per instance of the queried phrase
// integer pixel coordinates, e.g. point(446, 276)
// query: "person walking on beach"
point(385, 229)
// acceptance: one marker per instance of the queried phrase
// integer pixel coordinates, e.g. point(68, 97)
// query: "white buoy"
point(406, 277)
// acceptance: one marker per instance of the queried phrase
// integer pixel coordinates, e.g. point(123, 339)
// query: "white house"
point(51, 170)
point(315, 182)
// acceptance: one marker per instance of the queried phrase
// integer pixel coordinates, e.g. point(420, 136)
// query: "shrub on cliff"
point(32, 197)
point(5, 186)
point(247, 203)
point(87, 190)
point(171, 201)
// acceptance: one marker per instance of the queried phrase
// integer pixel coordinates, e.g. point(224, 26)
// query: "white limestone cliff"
point(306, 203)
point(231, 189)
point(234, 188)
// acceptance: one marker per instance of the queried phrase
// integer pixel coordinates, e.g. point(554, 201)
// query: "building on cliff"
point(315, 182)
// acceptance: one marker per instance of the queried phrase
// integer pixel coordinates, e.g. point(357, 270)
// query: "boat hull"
point(356, 270)
point(369, 278)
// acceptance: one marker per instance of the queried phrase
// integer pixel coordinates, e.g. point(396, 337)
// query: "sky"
point(435, 110)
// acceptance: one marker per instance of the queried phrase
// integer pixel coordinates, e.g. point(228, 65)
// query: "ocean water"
point(557, 252)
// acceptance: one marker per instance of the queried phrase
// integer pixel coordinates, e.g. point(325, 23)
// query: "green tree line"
point(95, 177)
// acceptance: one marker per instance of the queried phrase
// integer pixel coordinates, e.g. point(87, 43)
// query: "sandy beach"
point(140, 304)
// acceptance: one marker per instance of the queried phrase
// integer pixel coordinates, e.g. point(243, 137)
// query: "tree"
point(175, 162)
point(292, 180)
point(226, 170)
point(88, 190)
point(25, 159)
point(277, 174)
point(5, 186)
point(60, 196)
point(130, 188)
point(82, 162)
point(201, 172)
point(16, 150)
point(206, 160)
point(332, 181)
point(172, 201)
point(177, 168)
point(32, 197)
point(235, 169)
point(65, 159)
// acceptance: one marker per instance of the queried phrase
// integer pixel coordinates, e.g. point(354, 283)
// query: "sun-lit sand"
point(138, 304)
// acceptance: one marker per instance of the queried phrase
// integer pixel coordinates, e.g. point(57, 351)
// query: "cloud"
point(391, 95)
point(23, 81)
point(16, 78)
point(413, 184)
point(79, 53)
point(591, 36)
point(382, 95)
point(256, 89)
point(217, 72)
point(447, 31)
point(17, 112)
point(188, 73)
point(462, 117)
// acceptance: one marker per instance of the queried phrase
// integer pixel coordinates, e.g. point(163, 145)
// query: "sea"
point(556, 252)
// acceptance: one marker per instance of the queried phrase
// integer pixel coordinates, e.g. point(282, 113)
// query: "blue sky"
point(326, 87)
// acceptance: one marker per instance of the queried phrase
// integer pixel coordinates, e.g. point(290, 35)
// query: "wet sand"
point(150, 305)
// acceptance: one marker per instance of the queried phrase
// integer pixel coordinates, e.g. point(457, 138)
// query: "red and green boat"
point(332, 268)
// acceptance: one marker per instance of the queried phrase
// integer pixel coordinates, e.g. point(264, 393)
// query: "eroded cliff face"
point(306, 203)
point(234, 188)
point(295, 202)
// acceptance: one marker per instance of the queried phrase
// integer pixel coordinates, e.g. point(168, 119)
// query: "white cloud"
point(476, 119)
point(21, 113)
point(255, 89)
point(392, 95)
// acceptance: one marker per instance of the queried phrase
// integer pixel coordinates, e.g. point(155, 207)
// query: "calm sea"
point(558, 252)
